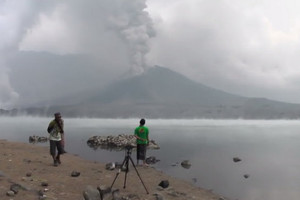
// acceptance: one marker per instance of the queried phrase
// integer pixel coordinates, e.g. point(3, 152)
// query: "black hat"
point(57, 114)
point(142, 121)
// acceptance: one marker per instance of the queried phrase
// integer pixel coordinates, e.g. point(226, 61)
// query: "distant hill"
point(163, 93)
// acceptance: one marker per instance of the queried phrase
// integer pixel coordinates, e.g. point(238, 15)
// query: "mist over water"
point(270, 150)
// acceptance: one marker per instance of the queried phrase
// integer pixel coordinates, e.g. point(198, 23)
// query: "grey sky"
point(245, 47)
point(52, 48)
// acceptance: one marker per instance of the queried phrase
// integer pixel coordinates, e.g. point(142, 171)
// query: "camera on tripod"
point(125, 163)
point(129, 147)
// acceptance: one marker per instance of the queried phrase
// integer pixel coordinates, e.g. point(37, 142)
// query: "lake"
point(270, 150)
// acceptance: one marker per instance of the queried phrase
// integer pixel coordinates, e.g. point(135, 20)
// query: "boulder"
point(10, 193)
point(110, 166)
point(44, 184)
point(43, 197)
point(236, 159)
point(2, 174)
point(105, 191)
point(246, 176)
point(28, 174)
point(36, 139)
point(41, 193)
point(131, 197)
point(164, 184)
point(151, 160)
point(118, 142)
point(222, 198)
point(91, 193)
point(15, 188)
point(186, 164)
point(75, 174)
point(116, 194)
point(158, 196)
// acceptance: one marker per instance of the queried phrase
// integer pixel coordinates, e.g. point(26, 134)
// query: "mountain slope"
point(162, 93)
point(162, 86)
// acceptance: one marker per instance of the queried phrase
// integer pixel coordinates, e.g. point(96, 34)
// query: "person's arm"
point(148, 141)
point(62, 133)
point(62, 140)
point(137, 137)
point(62, 126)
point(50, 127)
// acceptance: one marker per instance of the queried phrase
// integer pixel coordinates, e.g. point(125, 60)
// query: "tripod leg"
point(118, 173)
point(138, 174)
point(127, 169)
point(115, 179)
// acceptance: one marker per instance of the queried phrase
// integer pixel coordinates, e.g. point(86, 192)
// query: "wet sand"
point(31, 165)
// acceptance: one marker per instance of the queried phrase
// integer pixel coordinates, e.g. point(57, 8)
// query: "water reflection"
point(269, 151)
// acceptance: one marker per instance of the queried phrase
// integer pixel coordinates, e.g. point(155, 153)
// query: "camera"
point(129, 147)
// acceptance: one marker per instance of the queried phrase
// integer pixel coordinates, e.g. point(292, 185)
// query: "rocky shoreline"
point(26, 172)
point(118, 142)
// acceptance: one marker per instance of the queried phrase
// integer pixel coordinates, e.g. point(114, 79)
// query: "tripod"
point(126, 164)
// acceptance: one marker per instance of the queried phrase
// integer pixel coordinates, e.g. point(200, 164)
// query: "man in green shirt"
point(142, 140)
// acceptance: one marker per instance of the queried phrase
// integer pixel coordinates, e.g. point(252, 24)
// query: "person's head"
point(142, 122)
point(57, 116)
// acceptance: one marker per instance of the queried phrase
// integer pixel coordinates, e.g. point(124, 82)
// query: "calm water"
point(270, 151)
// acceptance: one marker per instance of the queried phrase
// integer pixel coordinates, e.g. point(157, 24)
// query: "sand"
point(31, 165)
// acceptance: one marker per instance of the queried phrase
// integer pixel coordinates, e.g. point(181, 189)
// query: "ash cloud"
point(15, 17)
point(135, 29)
point(98, 28)
point(229, 45)
point(111, 35)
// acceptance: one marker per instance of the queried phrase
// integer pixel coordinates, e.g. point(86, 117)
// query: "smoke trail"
point(7, 94)
point(16, 16)
point(10, 28)
point(98, 27)
point(136, 32)
point(127, 19)
point(113, 32)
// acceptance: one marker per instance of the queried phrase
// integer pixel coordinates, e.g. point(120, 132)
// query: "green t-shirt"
point(142, 132)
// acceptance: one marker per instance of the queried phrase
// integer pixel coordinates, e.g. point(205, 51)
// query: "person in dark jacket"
point(56, 138)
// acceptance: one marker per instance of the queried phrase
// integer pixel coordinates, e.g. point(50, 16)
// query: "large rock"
point(91, 193)
point(246, 176)
point(151, 160)
point(186, 164)
point(118, 142)
point(15, 188)
point(75, 174)
point(164, 184)
point(105, 192)
point(2, 174)
point(36, 139)
point(10, 193)
point(110, 166)
point(158, 196)
point(236, 159)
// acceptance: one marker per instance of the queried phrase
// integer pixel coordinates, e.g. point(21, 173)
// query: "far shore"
point(30, 166)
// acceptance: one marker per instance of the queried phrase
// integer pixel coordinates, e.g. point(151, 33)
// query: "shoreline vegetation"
point(28, 168)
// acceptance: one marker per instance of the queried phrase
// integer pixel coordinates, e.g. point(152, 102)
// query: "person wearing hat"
point(142, 140)
point(56, 138)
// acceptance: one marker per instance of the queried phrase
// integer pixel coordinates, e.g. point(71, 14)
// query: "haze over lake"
point(270, 150)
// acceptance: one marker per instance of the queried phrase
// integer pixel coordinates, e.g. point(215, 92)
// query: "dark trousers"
point(56, 145)
point(141, 151)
